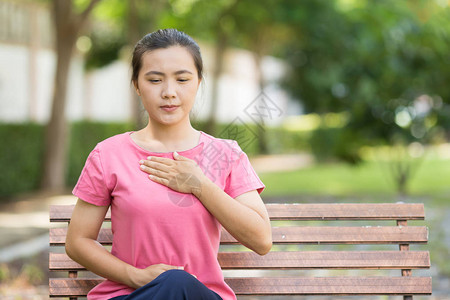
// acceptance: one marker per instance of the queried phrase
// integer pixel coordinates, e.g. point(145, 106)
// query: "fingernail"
point(149, 158)
point(141, 161)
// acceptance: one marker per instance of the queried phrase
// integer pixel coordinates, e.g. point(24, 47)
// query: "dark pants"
point(172, 285)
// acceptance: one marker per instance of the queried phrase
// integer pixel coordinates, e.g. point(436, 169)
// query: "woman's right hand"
point(82, 247)
point(140, 277)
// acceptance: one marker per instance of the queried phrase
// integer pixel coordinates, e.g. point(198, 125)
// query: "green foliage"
point(280, 140)
point(117, 25)
point(387, 63)
point(108, 34)
point(200, 19)
point(32, 274)
point(22, 151)
point(285, 141)
point(4, 272)
point(84, 136)
point(20, 157)
point(105, 49)
point(328, 144)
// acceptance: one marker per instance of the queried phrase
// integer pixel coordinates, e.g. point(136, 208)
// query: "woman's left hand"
point(181, 174)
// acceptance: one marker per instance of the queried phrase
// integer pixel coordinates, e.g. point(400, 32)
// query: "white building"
point(27, 64)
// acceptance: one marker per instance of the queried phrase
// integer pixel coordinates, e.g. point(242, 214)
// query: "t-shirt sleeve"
point(242, 177)
point(91, 186)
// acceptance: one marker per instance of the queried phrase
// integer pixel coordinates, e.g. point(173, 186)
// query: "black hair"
point(161, 39)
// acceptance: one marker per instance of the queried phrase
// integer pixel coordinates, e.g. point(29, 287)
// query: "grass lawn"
point(370, 178)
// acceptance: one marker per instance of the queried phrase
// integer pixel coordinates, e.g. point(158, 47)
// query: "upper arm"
point(86, 220)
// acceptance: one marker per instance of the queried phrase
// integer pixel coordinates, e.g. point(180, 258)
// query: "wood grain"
point(296, 260)
point(295, 211)
point(304, 235)
point(285, 286)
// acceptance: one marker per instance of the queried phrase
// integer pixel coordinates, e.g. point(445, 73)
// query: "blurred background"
point(333, 101)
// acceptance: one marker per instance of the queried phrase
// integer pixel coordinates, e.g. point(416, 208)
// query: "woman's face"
point(168, 83)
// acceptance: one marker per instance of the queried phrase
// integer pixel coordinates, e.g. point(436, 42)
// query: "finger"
point(155, 164)
point(155, 170)
point(179, 157)
point(161, 180)
point(170, 267)
point(159, 159)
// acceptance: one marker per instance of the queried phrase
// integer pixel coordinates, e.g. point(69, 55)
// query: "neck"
point(172, 135)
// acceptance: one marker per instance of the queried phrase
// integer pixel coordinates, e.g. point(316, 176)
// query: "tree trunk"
point(57, 128)
point(133, 37)
point(262, 137)
point(67, 26)
point(219, 55)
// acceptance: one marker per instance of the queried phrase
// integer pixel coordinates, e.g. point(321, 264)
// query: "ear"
point(136, 87)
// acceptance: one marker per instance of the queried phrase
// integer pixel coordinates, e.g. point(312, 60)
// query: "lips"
point(169, 107)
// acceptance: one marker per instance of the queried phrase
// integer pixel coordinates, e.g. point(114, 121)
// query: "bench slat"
point(296, 260)
point(346, 211)
point(321, 211)
point(285, 286)
point(342, 235)
point(326, 260)
point(304, 235)
point(331, 286)
point(74, 287)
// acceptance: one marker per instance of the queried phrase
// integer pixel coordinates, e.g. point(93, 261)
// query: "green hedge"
point(331, 144)
point(83, 138)
point(20, 157)
point(279, 140)
point(21, 153)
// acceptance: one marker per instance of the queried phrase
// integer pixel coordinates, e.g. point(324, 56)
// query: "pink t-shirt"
point(154, 224)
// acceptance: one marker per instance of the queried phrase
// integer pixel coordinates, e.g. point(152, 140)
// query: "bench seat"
point(292, 251)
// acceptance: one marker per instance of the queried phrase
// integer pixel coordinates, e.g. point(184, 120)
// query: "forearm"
point(242, 222)
point(100, 261)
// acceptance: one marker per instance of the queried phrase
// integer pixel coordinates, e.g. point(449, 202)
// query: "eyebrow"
point(162, 74)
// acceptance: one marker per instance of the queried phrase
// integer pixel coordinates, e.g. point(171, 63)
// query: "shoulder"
point(227, 147)
point(220, 142)
point(113, 144)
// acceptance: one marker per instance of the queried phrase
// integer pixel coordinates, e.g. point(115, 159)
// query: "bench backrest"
point(296, 228)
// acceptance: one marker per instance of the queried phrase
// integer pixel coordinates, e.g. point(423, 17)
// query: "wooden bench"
point(307, 238)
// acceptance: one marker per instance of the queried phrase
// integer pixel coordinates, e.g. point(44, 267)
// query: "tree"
point(240, 23)
point(216, 25)
point(118, 25)
point(68, 25)
point(378, 62)
point(382, 63)
point(260, 30)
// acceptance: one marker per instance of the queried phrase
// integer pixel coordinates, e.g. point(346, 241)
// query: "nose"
point(168, 90)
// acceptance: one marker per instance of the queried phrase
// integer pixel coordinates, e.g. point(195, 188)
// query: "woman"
point(170, 188)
